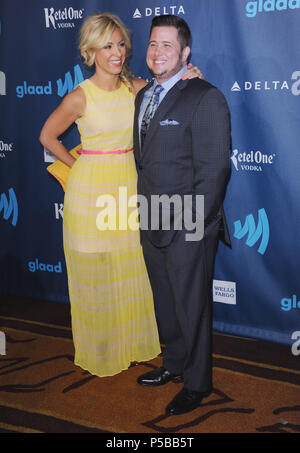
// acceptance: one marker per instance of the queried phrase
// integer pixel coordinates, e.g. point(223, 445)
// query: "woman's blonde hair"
point(95, 33)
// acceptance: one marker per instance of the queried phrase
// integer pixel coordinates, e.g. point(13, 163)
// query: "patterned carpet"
point(256, 384)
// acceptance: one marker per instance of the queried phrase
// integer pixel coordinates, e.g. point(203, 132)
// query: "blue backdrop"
point(250, 51)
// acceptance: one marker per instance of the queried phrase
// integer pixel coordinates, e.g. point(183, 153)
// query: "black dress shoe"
point(159, 376)
point(185, 401)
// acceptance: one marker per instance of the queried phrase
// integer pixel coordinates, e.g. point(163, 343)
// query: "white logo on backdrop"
point(62, 18)
point(48, 156)
point(2, 343)
point(158, 11)
point(224, 292)
point(292, 85)
point(5, 148)
point(252, 161)
point(2, 84)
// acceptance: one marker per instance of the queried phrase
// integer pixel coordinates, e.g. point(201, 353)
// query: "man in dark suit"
point(181, 145)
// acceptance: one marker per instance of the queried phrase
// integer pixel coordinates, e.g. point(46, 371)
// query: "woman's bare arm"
point(70, 109)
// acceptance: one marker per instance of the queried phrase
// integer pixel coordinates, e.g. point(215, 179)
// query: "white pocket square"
point(169, 123)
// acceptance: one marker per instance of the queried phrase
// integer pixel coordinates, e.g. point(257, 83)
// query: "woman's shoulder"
point(75, 100)
point(77, 95)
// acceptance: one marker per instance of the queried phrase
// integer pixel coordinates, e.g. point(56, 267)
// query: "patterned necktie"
point(149, 112)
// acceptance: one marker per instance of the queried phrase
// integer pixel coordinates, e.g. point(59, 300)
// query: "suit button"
point(141, 167)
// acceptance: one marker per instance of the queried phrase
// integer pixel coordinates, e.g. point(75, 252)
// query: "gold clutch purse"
point(61, 171)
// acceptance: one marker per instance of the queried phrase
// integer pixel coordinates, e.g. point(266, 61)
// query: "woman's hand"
point(192, 72)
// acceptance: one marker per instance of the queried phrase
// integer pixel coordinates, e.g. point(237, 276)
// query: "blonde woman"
point(113, 319)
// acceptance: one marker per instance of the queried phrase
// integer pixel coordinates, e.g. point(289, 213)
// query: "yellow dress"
point(112, 311)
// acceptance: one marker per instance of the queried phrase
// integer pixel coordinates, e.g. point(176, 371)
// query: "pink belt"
point(117, 151)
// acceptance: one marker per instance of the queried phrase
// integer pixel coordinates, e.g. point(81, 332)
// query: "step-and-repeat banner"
point(250, 51)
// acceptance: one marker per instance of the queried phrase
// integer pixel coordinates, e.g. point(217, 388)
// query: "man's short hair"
point(169, 20)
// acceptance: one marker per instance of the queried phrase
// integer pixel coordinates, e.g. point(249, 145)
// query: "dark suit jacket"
point(188, 155)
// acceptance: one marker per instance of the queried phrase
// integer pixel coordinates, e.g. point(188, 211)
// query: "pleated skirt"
point(112, 311)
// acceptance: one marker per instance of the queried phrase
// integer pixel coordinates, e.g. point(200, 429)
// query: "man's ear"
point(185, 53)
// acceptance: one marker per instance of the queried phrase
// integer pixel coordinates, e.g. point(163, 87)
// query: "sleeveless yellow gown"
point(112, 311)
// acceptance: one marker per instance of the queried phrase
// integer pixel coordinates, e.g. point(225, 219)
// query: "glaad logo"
point(63, 87)
point(25, 89)
point(158, 11)
point(2, 343)
point(62, 17)
point(9, 206)
point(288, 303)
point(252, 8)
point(253, 161)
point(224, 292)
point(270, 85)
point(68, 85)
point(37, 266)
point(2, 84)
point(262, 230)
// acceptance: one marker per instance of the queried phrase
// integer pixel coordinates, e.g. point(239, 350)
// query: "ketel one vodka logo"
point(252, 161)
point(261, 231)
point(62, 18)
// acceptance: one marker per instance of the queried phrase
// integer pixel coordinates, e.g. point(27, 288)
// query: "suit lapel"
point(166, 104)
point(136, 134)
